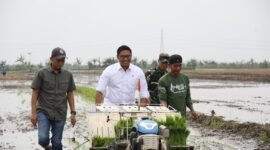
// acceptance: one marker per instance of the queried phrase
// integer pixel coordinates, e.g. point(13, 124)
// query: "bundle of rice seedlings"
point(178, 130)
point(98, 141)
point(120, 128)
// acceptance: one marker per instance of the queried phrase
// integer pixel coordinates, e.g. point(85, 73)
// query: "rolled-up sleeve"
point(71, 86)
point(37, 81)
point(188, 97)
point(103, 81)
point(144, 93)
point(162, 91)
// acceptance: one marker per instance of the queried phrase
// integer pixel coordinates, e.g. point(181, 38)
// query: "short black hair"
point(122, 48)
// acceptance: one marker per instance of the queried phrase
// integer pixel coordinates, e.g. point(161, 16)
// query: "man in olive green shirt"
point(173, 88)
point(52, 89)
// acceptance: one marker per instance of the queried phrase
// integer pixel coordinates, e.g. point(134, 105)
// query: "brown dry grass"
point(17, 76)
point(262, 75)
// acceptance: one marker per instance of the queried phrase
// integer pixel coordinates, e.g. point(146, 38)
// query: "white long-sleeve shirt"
point(119, 86)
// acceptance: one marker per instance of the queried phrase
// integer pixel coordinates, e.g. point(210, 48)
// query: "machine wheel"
point(168, 146)
point(139, 144)
point(165, 146)
point(133, 144)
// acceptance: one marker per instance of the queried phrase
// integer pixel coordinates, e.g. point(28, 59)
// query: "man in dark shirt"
point(152, 77)
point(52, 88)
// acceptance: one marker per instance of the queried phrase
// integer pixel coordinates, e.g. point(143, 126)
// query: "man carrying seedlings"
point(173, 88)
point(119, 82)
point(52, 88)
point(152, 77)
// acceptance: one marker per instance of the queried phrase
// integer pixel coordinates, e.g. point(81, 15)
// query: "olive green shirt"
point(53, 88)
point(175, 91)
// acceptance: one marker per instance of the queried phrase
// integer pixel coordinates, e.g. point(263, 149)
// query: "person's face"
point(175, 68)
point(124, 58)
point(163, 65)
point(57, 63)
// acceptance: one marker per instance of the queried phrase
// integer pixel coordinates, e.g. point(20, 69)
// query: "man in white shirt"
point(119, 82)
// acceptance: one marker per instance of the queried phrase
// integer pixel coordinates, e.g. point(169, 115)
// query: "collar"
point(119, 67)
point(175, 76)
point(51, 70)
point(158, 70)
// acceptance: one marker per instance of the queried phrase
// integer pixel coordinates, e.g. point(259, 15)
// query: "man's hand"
point(33, 107)
point(194, 115)
point(144, 102)
point(34, 119)
point(99, 98)
point(73, 120)
point(72, 107)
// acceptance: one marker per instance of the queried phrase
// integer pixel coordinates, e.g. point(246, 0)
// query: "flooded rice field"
point(239, 101)
point(17, 132)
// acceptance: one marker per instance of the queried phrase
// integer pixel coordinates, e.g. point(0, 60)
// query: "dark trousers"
point(44, 126)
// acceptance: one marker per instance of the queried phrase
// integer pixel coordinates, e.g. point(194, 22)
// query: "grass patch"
point(246, 129)
point(264, 137)
point(178, 130)
point(213, 122)
point(88, 93)
point(98, 141)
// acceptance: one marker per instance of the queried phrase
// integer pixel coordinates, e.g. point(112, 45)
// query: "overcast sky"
point(221, 30)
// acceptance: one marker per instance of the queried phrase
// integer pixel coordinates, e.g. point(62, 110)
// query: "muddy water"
point(233, 100)
point(16, 131)
point(239, 101)
point(205, 139)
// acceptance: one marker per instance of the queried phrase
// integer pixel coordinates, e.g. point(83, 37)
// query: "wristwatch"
point(73, 112)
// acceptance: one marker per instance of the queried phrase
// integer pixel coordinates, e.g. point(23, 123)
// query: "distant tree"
point(153, 64)
point(22, 63)
point(94, 61)
point(78, 61)
point(21, 60)
point(143, 64)
point(90, 65)
point(200, 64)
point(210, 64)
point(3, 63)
point(135, 61)
point(192, 64)
point(77, 64)
point(265, 64)
point(108, 61)
point(40, 65)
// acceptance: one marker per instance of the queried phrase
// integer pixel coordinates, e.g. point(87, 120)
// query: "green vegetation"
point(264, 137)
point(178, 130)
point(213, 122)
point(247, 129)
point(86, 92)
point(120, 131)
point(22, 64)
point(102, 141)
point(120, 125)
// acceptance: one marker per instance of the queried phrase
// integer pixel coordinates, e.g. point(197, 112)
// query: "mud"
point(258, 75)
point(218, 126)
point(233, 100)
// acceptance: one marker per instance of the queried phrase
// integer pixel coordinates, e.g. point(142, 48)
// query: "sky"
point(220, 30)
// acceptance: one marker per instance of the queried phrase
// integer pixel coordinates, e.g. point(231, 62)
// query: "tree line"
point(22, 64)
